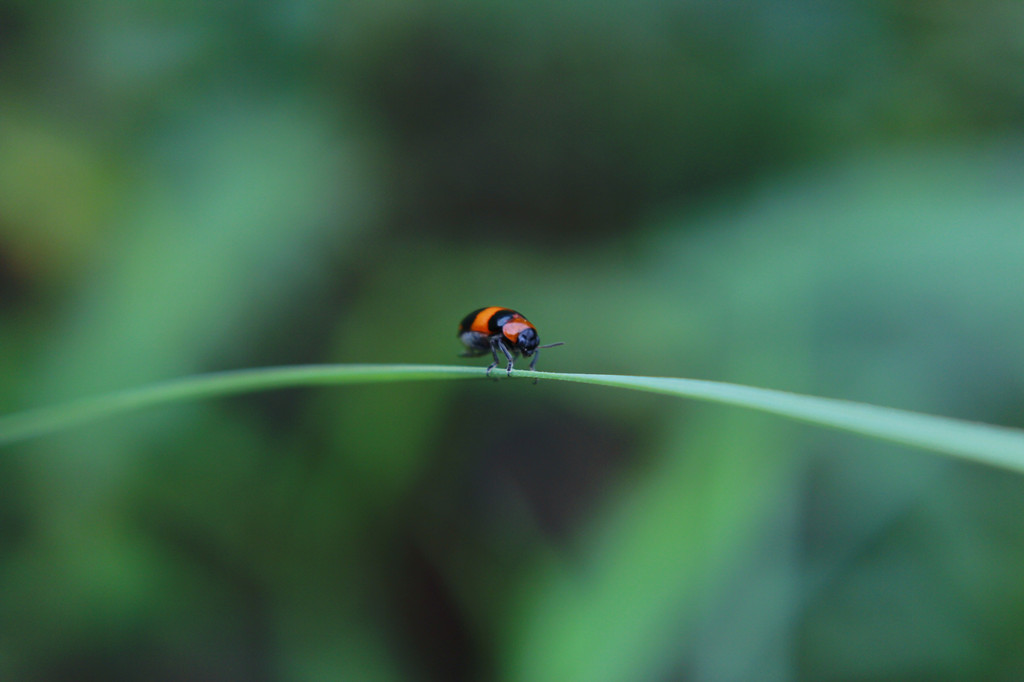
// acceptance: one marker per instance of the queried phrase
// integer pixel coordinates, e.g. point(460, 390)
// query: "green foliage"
point(819, 198)
point(987, 444)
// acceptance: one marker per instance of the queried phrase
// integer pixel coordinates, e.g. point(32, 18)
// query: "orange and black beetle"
point(497, 328)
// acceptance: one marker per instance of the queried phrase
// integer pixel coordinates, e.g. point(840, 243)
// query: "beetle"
point(496, 328)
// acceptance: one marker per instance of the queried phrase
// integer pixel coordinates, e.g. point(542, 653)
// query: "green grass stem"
point(992, 445)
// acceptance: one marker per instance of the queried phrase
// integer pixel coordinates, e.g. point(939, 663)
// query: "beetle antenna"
point(552, 345)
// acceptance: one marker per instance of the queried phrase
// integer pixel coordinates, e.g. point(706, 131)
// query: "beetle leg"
point(494, 351)
point(508, 354)
point(533, 363)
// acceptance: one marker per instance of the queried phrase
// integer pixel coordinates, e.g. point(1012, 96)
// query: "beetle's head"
point(528, 341)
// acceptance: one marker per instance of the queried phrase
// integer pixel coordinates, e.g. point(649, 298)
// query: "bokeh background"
point(825, 197)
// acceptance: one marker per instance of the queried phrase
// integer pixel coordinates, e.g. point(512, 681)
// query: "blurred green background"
point(825, 197)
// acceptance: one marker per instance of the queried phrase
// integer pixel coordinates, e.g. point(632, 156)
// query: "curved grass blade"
point(992, 445)
point(40, 421)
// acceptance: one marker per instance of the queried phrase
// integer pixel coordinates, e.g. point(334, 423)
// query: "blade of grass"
point(992, 445)
point(40, 421)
